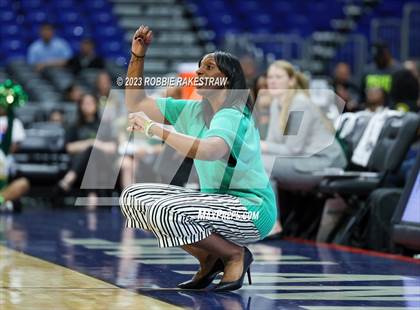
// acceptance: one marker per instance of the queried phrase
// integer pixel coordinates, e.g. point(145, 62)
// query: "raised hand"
point(141, 40)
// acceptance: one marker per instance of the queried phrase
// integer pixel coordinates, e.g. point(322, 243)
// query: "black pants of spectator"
point(102, 169)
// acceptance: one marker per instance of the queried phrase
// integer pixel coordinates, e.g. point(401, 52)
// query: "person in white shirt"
point(18, 132)
point(10, 191)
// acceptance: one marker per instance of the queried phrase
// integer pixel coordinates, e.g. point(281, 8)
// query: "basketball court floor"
point(76, 259)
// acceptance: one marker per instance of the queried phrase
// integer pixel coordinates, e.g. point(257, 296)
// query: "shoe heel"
point(249, 276)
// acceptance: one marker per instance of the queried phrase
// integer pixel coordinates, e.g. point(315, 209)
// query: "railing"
point(387, 30)
point(410, 31)
point(402, 36)
point(291, 46)
point(354, 52)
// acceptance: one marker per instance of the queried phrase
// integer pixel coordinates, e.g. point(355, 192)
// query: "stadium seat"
point(43, 140)
point(7, 16)
point(31, 4)
point(13, 48)
point(37, 17)
point(61, 78)
point(10, 32)
point(30, 114)
point(4, 4)
point(41, 157)
point(395, 139)
point(64, 4)
point(102, 18)
point(356, 133)
point(69, 17)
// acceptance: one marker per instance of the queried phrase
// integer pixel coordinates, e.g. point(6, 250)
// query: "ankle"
point(207, 261)
point(235, 256)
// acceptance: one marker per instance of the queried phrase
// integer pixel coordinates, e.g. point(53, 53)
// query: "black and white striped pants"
point(179, 216)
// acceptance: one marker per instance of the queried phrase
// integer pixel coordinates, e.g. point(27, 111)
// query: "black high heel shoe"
point(234, 285)
point(205, 280)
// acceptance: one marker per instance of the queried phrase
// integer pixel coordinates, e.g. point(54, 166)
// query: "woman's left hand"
point(137, 121)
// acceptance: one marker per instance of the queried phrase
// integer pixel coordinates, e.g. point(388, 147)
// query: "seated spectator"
point(10, 190)
point(335, 208)
point(376, 100)
point(112, 100)
point(249, 67)
point(344, 87)
point(379, 73)
point(405, 91)
point(262, 100)
point(103, 85)
point(18, 132)
point(73, 93)
point(297, 132)
point(413, 66)
point(348, 123)
point(297, 128)
point(86, 58)
point(48, 50)
point(56, 116)
point(81, 139)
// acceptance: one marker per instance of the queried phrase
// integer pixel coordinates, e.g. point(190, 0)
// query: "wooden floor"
point(74, 259)
point(31, 283)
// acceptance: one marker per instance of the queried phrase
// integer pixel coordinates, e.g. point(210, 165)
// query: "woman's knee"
point(126, 197)
point(161, 216)
point(133, 194)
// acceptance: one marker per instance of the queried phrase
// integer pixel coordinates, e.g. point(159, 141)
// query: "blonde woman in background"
point(300, 139)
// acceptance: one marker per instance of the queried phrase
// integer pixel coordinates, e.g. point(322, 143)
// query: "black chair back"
point(394, 141)
point(354, 138)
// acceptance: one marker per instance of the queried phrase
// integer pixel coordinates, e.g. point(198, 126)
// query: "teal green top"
point(249, 181)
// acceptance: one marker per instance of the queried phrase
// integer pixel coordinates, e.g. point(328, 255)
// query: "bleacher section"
point(313, 34)
point(110, 24)
point(73, 19)
point(175, 38)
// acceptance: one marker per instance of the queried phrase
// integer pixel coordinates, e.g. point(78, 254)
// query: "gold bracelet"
point(149, 125)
